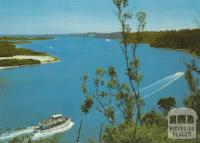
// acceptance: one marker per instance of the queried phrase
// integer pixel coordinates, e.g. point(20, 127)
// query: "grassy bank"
point(18, 62)
point(8, 49)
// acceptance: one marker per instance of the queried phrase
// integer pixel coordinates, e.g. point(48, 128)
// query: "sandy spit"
point(42, 59)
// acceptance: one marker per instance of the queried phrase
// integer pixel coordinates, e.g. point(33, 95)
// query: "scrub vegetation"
point(8, 49)
point(111, 97)
point(185, 39)
point(24, 38)
point(17, 62)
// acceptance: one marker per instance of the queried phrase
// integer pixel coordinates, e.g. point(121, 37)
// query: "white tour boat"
point(51, 126)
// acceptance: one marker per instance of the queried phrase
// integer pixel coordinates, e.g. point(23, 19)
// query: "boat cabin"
point(52, 122)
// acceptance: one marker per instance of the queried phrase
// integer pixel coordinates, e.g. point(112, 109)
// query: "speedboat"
point(108, 40)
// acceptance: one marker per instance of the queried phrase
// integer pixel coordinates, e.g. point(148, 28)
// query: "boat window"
point(181, 119)
point(190, 119)
point(172, 119)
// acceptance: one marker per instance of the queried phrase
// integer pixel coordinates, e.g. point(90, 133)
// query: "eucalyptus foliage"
point(110, 95)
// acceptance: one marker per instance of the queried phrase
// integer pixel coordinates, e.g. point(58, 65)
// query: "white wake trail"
point(160, 88)
point(11, 135)
point(163, 81)
point(162, 84)
point(158, 85)
point(159, 81)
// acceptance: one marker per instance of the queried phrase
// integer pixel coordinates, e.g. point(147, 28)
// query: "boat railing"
point(53, 121)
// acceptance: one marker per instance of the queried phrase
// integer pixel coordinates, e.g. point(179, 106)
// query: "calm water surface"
point(34, 93)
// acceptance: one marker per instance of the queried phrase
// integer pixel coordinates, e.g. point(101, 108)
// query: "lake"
point(33, 93)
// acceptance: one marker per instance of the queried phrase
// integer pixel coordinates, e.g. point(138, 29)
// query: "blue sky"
point(79, 16)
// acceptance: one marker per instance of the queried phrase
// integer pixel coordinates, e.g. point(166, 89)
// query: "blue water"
point(36, 92)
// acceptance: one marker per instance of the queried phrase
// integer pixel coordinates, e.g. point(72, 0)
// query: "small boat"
point(108, 40)
point(51, 126)
point(51, 47)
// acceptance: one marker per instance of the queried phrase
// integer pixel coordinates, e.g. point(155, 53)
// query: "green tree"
point(145, 134)
point(153, 118)
point(111, 96)
point(165, 104)
point(192, 75)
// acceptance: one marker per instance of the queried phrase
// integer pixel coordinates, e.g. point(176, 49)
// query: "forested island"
point(10, 56)
point(185, 39)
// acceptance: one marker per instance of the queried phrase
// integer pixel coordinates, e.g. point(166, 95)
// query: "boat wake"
point(147, 92)
point(159, 85)
point(51, 47)
point(30, 133)
point(12, 134)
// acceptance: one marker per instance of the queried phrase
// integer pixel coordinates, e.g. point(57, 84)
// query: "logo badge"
point(182, 123)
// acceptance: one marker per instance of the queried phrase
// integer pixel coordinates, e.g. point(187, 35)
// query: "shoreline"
point(43, 60)
point(178, 50)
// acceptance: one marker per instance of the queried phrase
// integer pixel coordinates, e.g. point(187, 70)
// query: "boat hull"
point(50, 132)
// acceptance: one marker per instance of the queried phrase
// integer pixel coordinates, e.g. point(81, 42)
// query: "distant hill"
point(185, 39)
point(113, 35)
